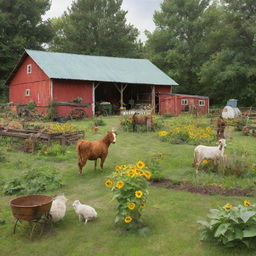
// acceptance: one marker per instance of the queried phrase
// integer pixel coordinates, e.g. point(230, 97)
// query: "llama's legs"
point(197, 164)
point(81, 164)
point(102, 161)
point(95, 164)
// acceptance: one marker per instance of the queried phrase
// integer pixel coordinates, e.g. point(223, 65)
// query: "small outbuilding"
point(171, 103)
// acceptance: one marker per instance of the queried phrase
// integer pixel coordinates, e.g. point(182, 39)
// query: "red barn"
point(76, 81)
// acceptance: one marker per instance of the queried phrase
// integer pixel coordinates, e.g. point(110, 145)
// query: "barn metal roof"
point(99, 68)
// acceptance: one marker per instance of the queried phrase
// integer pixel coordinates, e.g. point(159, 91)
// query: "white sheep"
point(84, 212)
point(208, 153)
point(58, 208)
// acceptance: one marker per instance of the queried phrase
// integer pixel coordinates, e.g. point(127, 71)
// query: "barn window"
point(29, 69)
point(201, 102)
point(184, 102)
point(27, 92)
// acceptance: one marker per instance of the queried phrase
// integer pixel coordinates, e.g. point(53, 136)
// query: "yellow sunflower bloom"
point(247, 203)
point(120, 184)
point(131, 206)
point(138, 194)
point(140, 164)
point(128, 219)
point(131, 173)
point(228, 206)
point(118, 168)
point(147, 174)
point(109, 183)
point(163, 133)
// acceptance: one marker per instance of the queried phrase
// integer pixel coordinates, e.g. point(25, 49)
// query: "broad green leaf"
point(250, 231)
point(221, 230)
point(245, 216)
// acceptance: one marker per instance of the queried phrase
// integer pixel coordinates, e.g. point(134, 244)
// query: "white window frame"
point(29, 69)
point(201, 103)
point(27, 92)
point(184, 102)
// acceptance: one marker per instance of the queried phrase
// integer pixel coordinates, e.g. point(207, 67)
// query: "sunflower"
point(247, 203)
point(120, 184)
point(131, 173)
point(131, 206)
point(163, 133)
point(140, 164)
point(142, 206)
point(128, 219)
point(138, 194)
point(109, 183)
point(118, 168)
point(133, 167)
point(228, 206)
point(147, 174)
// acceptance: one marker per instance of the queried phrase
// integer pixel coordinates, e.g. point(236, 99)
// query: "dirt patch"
point(204, 189)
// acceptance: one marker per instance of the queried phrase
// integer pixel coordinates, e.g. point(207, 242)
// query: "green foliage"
point(155, 167)
point(99, 122)
point(95, 27)
point(54, 150)
point(130, 189)
point(51, 110)
point(2, 157)
point(231, 226)
point(33, 181)
point(31, 106)
point(21, 27)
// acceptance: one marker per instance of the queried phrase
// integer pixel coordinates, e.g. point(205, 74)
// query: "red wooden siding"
point(67, 90)
point(171, 103)
point(37, 82)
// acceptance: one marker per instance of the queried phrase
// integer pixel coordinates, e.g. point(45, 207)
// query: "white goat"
point(84, 212)
point(58, 208)
point(208, 153)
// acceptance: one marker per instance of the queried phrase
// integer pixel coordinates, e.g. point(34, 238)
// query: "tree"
point(175, 44)
point(96, 27)
point(231, 70)
point(21, 26)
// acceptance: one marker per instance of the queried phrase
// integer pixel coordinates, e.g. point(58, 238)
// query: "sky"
point(140, 12)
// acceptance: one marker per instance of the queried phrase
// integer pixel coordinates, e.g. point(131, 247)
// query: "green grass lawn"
point(170, 215)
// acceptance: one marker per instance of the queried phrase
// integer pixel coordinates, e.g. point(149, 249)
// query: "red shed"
point(170, 103)
point(64, 78)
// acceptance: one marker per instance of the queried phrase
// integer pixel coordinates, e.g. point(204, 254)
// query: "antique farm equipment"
point(77, 114)
point(34, 209)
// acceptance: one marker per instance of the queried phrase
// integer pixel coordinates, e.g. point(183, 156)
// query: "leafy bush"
point(231, 226)
point(99, 122)
point(130, 188)
point(234, 164)
point(33, 181)
point(31, 106)
point(155, 167)
point(54, 150)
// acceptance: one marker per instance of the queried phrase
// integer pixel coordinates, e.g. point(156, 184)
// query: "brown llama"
point(146, 120)
point(92, 150)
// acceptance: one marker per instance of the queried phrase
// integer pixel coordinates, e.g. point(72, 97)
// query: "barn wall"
point(171, 104)
point(67, 90)
point(37, 82)
point(163, 89)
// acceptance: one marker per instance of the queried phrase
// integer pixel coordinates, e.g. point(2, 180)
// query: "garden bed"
point(211, 189)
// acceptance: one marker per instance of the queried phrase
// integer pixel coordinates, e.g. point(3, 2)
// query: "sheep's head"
point(222, 143)
point(61, 198)
point(76, 203)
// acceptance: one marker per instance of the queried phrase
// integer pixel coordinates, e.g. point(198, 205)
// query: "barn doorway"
point(134, 97)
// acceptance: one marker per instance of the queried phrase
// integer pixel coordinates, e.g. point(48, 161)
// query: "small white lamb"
point(84, 212)
point(58, 208)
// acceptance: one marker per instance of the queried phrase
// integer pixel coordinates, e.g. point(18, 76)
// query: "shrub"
point(99, 122)
point(54, 150)
point(231, 226)
point(31, 106)
point(130, 187)
point(155, 167)
point(33, 181)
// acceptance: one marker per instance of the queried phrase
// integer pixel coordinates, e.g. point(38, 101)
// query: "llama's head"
point(222, 143)
point(61, 198)
point(76, 203)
